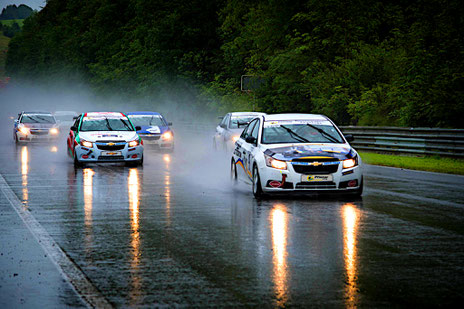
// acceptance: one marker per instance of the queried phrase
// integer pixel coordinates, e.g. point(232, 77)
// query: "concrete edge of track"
point(72, 274)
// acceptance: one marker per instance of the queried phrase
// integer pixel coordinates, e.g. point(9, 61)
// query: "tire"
point(77, 164)
point(16, 138)
point(359, 191)
point(256, 187)
point(233, 172)
point(141, 161)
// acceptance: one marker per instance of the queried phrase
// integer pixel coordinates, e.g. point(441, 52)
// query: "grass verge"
point(431, 164)
point(9, 22)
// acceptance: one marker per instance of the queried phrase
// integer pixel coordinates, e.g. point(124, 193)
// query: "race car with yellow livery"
point(104, 137)
point(302, 153)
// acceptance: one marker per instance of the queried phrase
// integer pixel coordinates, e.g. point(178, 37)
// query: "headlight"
point(349, 163)
point(134, 143)
point(167, 135)
point(24, 130)
point(281, 165)
point(54, 131)
point(235, 138)
point(86, 144)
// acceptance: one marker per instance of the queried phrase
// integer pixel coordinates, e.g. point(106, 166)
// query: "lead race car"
point(296, 152)
point(104, 137)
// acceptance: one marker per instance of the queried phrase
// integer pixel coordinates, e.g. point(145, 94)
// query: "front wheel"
point(257, 189)
point(76, 161)
point(359, 191)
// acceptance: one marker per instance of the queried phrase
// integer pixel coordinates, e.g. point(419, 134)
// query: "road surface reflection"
point(350, 215)
point(24, 172)
point(279, 228)
point(133, 187)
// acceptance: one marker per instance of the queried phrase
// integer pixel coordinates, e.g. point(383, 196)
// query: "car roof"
point(144, 113)
point(246, 113)
point(101, 114)
point(37, 112)
point(275, 117)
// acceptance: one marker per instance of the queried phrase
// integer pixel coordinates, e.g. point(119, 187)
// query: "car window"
point(38, 118)
point(247, 131)
point(240, 121)
point(225, 121)
point(102, 123)
point(147, 120)
point(255, 131)
point(76, 123)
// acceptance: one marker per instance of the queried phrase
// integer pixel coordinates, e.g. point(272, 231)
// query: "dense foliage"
point(367, 62)
point(16, 12)
point(9, 30)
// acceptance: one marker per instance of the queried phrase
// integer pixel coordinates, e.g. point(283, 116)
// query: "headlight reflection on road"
point(24, 172)
point(279, 226)
point(350, 215)
point(167, 188)
point(133, 188)
point(88, 195)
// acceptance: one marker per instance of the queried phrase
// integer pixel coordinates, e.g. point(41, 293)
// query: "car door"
point(245, 148)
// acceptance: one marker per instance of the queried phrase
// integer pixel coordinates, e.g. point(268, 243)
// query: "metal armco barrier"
point(418, 141)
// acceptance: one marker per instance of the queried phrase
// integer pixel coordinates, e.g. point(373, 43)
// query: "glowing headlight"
point(24, 130)
point(167, 135)
point(86, 144)
point(349, 163)
point(54, 131)
point(281, 165)
point(134, 143)
point(235, 138)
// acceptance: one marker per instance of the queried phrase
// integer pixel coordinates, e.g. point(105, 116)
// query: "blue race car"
point(155, 130)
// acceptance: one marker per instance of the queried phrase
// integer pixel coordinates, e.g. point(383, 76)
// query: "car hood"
point(287, 153)
point(108, 136)
point(39, 125)
point(153, 129)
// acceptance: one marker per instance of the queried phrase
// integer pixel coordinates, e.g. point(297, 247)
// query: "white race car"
point(296, 152)
point(229, 129)
point(35, 126)
point(104, 137)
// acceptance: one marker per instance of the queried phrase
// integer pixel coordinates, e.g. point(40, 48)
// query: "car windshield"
point(147, 120)
point(240, 121)
point(300, 131)
point(37, 118)
point(106, 124)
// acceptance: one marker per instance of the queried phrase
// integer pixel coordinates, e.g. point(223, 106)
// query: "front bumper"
point(342, 180)
point(36, 136)
point(96, 155)
point(155, 140)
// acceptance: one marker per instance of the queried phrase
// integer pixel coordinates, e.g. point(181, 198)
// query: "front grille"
point(111, 158)
point(316, 185)
point(114, 147)
point(150, 137)
point(39, 132)
point(103, 145)
point(302, 168)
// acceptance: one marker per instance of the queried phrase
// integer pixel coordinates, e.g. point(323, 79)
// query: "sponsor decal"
point(154, 129)
point(320, 122)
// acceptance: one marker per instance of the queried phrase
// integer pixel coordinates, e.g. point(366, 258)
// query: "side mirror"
point(16, 120)
point(349, 138)
point(250, 140)
point(222, 125)
point(220, 118)
point(73, 128)
point(169, 123)
point(138, 128)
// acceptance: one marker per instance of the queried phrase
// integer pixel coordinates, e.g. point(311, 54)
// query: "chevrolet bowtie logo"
point(316, 163)
point(110, 144)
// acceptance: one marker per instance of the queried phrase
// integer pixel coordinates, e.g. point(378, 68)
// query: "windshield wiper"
point(125, 124)
point(327, 135)
point(108, 125)
point(44, 119)
point(295, 135)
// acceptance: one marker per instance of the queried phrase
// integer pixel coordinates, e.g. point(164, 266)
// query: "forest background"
point(366, 62)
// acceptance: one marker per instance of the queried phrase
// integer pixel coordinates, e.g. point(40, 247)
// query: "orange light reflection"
point(350, 215)
point(133, 187)
point(88, 195)
point(24, 172)
point(279, 226)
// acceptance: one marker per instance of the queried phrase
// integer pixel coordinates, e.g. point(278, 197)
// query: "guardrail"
point(418, 141)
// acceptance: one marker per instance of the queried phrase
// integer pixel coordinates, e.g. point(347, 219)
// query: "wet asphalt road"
point(176, 233)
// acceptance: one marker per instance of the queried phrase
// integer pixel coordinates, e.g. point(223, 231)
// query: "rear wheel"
point(257, 189)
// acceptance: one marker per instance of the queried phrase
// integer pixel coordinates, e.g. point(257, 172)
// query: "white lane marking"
point(70, 271)
point(416, 198)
